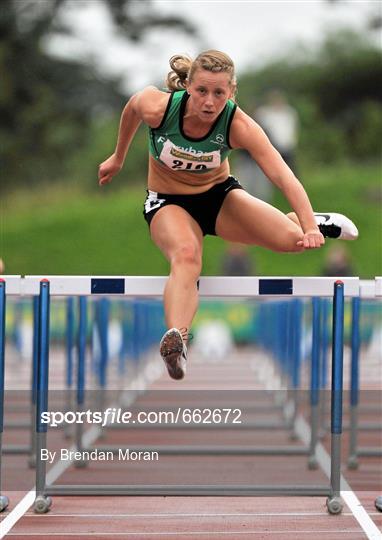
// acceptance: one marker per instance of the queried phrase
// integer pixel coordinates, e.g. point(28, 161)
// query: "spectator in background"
point(280, 122)
point(237, 261)
point(337, 262)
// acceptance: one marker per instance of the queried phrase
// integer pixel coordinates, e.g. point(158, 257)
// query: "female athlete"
point(192, 129)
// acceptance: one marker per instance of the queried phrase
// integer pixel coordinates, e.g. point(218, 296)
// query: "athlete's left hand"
point(312, 239)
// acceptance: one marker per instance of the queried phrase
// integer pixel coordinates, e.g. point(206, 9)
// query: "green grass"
point(61, 230)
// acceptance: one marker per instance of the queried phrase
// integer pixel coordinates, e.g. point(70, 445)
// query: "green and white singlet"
point(171, 147)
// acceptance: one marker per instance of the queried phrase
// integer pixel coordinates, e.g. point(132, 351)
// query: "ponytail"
point(180, 67)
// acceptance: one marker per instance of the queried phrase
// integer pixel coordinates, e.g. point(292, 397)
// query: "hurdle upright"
point(369, 290)
point(136, 286)
point(10, 285)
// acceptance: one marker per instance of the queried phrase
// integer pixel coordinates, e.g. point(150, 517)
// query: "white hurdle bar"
point(153, 286)
point(378, 286)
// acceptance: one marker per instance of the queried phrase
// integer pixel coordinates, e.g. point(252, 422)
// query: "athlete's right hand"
point(109, 168)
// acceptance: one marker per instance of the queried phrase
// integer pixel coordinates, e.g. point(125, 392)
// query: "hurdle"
point(46, 287)
point(11, 286)
point(19, 449)
point(3, 498)
point(295, 323)
point(368, 290)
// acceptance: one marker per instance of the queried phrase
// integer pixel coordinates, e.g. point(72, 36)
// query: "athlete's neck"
point(193, 125)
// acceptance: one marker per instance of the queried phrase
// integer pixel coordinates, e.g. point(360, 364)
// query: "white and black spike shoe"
point(338, 226)
point(174, 353)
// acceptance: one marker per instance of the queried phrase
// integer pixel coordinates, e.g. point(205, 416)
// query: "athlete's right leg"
point(180, 239)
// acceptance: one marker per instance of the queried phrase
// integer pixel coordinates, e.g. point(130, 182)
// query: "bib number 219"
point(177, 164)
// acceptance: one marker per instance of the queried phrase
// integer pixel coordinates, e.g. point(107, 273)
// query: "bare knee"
point(187, 258)
point(289, 242)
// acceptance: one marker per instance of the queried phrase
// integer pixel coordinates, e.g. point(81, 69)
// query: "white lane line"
point(28, 499)
point(367, 524)
point(18, 511)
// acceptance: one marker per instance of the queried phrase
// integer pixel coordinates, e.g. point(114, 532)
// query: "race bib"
point(177, 158)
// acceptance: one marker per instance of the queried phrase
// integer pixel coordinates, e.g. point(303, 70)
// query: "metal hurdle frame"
point(368, 290)
point(3, 498)
point(136, 286)
point(10, 285)
point(287, 423)
point(28, 449)
point(21, 449)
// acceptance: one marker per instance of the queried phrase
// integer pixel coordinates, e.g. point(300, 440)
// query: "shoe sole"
point(171, 348)
point(330, 231)
point(346, 231)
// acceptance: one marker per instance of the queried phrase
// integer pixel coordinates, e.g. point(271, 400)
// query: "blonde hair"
point(183, 68)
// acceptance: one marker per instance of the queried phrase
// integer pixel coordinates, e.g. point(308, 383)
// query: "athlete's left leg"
point(245, 219)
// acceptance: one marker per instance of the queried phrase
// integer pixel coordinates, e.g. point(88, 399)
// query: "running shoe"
point(378, 503)
point(174, 353)
point(336, 226)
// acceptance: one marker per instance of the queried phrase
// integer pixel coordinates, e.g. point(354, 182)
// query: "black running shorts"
point(203, 207)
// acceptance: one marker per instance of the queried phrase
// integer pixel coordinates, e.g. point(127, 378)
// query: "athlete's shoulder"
point(152, 92)
point(150, 104)
point(241, 118)
point(243, 128)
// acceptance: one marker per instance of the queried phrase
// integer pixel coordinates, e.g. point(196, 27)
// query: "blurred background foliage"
point(336, 91)
point(50, 106)
point(60, 120)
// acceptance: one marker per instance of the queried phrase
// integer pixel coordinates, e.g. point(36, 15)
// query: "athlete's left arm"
point(245, 133)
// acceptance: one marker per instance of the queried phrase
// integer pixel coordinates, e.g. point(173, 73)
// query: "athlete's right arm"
point(147, 106)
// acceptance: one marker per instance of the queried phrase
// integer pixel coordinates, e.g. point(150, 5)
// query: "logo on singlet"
point(219, 139)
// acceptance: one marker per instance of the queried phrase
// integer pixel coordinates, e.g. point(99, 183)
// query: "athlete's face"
point(209, 93)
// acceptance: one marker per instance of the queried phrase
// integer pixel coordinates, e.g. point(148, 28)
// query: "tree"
point(336, 91)
point(46, 103)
